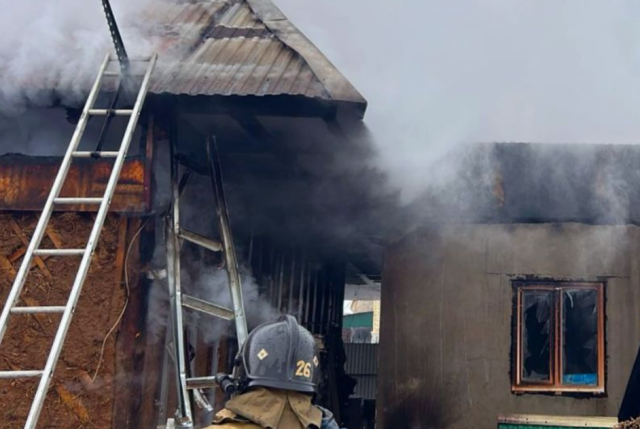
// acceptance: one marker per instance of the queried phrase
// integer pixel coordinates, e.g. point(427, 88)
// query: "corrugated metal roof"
point(223, 47)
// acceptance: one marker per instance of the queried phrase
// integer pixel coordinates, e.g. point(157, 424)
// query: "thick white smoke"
point(59, 45)
point(439, 73)
point(209, 284)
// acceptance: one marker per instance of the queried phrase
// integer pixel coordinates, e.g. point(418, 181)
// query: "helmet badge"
point(262, 354)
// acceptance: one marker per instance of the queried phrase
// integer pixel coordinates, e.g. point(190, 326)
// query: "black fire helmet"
point(280, 354)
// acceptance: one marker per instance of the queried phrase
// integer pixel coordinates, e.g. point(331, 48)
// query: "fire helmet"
point(281, 355)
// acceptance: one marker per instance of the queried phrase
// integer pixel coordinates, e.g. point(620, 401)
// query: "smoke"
point(59, 46)
point(441, 73)
point(203, 279)
point(211, 284)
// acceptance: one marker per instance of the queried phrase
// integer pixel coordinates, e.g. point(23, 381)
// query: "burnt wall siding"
point(445, 355)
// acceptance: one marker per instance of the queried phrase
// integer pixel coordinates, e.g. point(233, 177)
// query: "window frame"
point(556, 365)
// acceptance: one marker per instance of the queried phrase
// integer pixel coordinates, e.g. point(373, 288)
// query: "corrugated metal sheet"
point(362, 364)
point(362, 359)
point(220, 47)
point(366, 386)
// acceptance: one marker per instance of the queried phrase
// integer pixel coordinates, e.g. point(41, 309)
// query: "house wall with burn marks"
point(447, 303)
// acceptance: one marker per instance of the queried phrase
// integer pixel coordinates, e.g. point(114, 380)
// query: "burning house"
point(234, 75)
point(513, 300)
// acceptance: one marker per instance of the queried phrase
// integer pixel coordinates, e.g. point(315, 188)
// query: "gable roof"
point(239, 47)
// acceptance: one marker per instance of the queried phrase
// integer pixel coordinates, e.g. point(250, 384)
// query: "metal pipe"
point(235, 285)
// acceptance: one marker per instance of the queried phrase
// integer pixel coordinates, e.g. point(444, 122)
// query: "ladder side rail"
point(61, 333)
point(235, 284)
point(167, 360)
point(177, 326)
point(38, 234)
point(173, 254)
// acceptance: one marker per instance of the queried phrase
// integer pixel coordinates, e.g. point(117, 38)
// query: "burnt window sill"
point(574, 392)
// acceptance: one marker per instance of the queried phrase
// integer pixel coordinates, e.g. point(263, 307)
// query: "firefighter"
point(276, 378)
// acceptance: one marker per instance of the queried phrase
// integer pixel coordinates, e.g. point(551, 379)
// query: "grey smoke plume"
point(440, 73)
point(59, 45)
point(210, 284)
point(204, 281)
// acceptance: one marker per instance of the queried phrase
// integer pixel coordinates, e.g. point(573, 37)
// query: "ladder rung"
point(131, 60)
point(20, 374)
point(31, 310)
point(59, 252)
point(207, 243)
point(117, 112)
point(201, 382)
point(207, 307)
point(80, 154)
point(77, 200)
point(112, 73)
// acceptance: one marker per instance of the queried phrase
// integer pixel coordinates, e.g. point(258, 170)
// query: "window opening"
point(560, 337)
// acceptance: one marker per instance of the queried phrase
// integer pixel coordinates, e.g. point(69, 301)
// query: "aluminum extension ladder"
point(174, 235)
point(11, 306)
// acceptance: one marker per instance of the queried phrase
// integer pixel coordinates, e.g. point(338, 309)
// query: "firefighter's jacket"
point(263, 408)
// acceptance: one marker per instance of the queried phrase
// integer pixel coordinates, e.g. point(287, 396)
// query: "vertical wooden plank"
point(148, 162)
point(127, 387)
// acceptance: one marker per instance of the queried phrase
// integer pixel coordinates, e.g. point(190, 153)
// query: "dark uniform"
point(276, 373)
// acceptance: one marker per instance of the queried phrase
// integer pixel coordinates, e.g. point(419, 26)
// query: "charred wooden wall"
point(89, 375)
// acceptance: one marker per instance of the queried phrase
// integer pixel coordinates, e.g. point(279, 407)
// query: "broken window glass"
point(580, 337)
point(536, 335)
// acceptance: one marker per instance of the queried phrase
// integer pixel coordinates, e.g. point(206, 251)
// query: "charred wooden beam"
point(25, 182)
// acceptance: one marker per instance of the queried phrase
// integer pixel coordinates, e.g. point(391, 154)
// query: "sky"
point(438, 73)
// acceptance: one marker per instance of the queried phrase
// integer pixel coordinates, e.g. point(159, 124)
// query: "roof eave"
point(336, 84)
